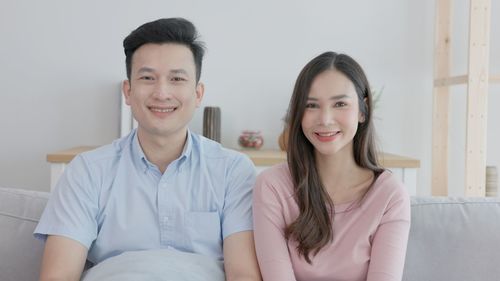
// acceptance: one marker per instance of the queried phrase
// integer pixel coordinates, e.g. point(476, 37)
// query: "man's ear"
point(126, 87)
point(200, 91)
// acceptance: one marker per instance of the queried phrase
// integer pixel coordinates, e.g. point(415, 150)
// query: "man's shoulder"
point(212, 150)
point(106, 153)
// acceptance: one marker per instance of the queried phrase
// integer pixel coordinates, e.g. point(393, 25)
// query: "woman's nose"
point(326, 116)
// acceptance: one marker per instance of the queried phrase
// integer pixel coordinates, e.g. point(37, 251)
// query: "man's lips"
point(162, 109)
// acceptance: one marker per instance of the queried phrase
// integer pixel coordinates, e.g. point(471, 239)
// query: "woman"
point(331, 212)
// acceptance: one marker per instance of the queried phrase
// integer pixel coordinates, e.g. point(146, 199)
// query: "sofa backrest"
point(453, 239)
point(450, 238)
point(20, 252)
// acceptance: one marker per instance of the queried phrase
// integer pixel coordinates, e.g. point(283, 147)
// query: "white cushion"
point(157, 265)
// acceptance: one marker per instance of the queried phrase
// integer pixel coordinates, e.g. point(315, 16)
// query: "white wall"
point(61, 63)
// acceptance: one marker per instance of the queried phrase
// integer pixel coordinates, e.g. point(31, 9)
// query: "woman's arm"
point(390, 241)
point(269, 223)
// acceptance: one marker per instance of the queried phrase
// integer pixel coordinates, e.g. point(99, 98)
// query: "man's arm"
point(240, 262)
point(63, 259)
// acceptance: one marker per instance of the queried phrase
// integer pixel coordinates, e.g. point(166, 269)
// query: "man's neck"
point(162, 150)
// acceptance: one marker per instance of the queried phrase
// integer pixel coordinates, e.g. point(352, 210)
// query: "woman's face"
point(332, 113)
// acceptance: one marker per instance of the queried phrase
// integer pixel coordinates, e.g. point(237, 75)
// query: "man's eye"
point(147, 78)
point(178, 79)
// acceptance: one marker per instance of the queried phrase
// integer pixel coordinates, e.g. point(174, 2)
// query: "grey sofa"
point(20, 253)
point(455, 239)
point(450, 238)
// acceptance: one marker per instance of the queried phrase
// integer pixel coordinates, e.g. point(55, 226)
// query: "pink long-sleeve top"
point(369, 235)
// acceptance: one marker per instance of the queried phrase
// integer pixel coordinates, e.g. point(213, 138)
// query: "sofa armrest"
point(453, 239)
point(20, 252)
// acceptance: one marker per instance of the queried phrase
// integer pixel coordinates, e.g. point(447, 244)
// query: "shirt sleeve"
point(269, 224)
point(73, 206)
point(237, 210)
point(390, 240)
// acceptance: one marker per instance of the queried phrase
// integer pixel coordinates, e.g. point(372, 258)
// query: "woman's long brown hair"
point(312, 229)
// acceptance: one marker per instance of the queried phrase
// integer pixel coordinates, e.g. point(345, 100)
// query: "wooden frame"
point(477, 97)
point(477, 81)
point(441, 100)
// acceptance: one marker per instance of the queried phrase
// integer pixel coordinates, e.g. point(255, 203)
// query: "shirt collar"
point(186, 151)
point(141, 157)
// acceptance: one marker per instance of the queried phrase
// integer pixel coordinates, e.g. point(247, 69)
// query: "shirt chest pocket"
point(204, 233)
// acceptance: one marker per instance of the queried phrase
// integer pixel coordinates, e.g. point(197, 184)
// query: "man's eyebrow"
point(145, 69)
point(179, 71)
point(337, 97)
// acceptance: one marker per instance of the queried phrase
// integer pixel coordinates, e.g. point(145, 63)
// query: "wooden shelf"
point(259, 157)
point(65, 156)
point(390, 160)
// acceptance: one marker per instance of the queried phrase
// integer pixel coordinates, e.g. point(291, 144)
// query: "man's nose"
point(162, 90)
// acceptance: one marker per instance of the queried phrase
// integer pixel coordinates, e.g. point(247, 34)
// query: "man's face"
point(162, 91)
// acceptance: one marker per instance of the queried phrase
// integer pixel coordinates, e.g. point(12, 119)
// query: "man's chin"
point(165, 132)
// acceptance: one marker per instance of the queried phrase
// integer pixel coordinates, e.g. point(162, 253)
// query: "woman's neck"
point(342, 178)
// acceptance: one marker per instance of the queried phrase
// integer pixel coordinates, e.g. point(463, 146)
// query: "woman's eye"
point(340, 104)
point(311, 105)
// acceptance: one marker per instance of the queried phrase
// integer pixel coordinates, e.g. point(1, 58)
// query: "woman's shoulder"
point(276, 178)
point(388, 185)
point(389, 197)
point(278, 170)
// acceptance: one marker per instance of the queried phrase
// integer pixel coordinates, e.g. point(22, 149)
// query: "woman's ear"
point(361, 116)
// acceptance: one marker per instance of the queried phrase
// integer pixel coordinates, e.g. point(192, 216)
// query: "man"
point(160, 187)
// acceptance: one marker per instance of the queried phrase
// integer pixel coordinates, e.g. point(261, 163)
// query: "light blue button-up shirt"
point(113, 199)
